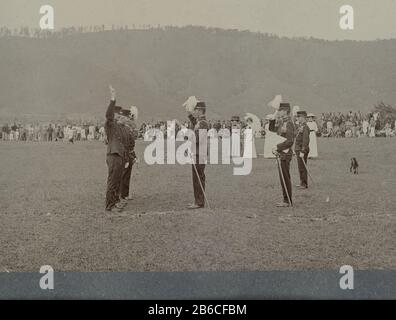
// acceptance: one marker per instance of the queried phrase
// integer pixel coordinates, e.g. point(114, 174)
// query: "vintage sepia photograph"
point(183, 136)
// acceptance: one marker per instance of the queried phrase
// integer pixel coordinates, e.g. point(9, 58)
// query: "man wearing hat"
point(302, 148)
point(236, 143)
point(116, 151)
point(128, 129)
point(285, 128)
point(198, 122)
point(235, 123)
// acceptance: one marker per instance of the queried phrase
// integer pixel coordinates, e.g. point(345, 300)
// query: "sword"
point(199, 179)
point(283, 179)
point(306, 168)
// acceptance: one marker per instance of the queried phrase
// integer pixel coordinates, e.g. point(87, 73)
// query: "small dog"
point(354, 166)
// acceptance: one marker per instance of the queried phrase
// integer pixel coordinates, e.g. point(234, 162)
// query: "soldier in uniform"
point(130, 156)
point(302, 148)
point(116, 150)
point(285, 128)
point(198, 122)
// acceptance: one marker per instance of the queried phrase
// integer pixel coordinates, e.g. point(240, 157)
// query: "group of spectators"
point(214, 125)
point(337, 125)
point(355, 125)
point(87, 132)
point(51, 132)
point(330, 125)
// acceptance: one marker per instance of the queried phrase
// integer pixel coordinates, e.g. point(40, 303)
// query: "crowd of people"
point(51, 132)
point(356, 124)
point(336, 125)
point(333, 124)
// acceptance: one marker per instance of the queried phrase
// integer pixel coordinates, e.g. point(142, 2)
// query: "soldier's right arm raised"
point(110, 109)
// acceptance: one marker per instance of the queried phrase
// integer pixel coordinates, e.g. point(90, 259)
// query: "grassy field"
point(52, 212)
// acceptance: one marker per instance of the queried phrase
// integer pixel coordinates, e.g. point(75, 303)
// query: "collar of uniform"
point(202, 117)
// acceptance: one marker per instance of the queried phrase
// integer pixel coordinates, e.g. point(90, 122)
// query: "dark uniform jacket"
point(129, 143)
point(302, 139)
point(285, 128)
point(196, 125)
point(116, 140)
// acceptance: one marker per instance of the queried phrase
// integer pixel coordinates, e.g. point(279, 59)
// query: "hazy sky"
point(316, 18)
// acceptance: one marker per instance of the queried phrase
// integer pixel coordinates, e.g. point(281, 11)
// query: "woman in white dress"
point(254, 123)
point(91, 134)
point(313, 142)
point(372, 128)
point(101, 134)
point(212, 133)
point(83, 134)
point(270, 140)
point(365, 127)
point(236, 142)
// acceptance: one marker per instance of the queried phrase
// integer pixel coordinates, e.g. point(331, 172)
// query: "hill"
point(157, 69)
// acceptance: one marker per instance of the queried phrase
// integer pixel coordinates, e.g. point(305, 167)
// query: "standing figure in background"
point(270, 134)
point(302, 148)
point(254, 123)
point(365, 126)
point(372, 128)
point(236, 136)
point(4, 134)
point(70, 134)
point(17, 135)
point(50, 131)
point(91, 133)
point(83, 133)
point(129, 128)
point(313, 141)
point(102, 134)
